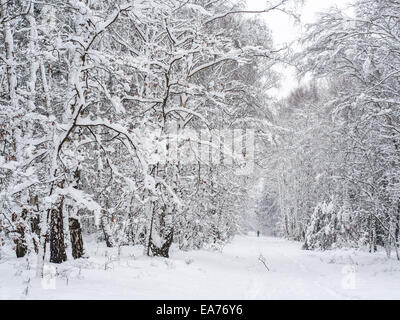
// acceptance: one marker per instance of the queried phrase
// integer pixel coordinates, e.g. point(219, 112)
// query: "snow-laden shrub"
point(323, 228)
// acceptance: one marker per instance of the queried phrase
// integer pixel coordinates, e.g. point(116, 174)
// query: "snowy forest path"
point(236, 273)
point(292, 272)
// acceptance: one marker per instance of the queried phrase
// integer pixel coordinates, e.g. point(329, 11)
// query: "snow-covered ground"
point(236, 273)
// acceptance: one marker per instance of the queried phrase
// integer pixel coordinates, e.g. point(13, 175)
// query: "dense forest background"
point(91, 89)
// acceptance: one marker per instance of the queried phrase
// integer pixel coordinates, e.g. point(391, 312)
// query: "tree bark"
point(164, 250)
point(76, 238)
point(106, 231)
point(57, 246)
point(20, 242)
point(35, 226)
point(21, 247)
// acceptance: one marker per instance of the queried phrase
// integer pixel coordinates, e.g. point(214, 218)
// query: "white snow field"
point(236, 273)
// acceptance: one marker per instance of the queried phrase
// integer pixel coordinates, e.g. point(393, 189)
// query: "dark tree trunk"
point(108, 239)
point(164, 250)
point(35, 221)
point(57, 246)
point(76, 238)
point(20, 249)
point(166, 234)
point(35, 226)
point(20, 242)
point(372, 235)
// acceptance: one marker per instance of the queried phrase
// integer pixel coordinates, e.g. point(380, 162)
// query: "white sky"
point(284, 30)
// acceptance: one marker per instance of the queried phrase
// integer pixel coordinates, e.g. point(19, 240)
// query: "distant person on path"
point(258, 233)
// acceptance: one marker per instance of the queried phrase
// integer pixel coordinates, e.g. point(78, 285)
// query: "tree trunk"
point(372, 235)
point(164, 250)
point(35, 226)
point(9, 53)
point(20, 242)
point(106, 231)
point(397, 232)
point(21, 247)
point(76, 238)
point(57, 246)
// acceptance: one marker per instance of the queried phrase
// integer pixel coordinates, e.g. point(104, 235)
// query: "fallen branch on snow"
point(263, 261)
